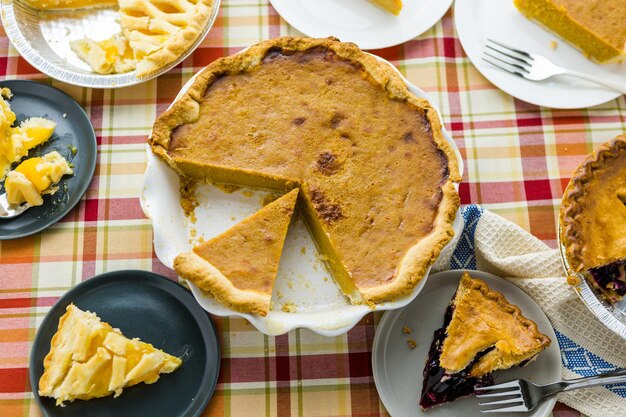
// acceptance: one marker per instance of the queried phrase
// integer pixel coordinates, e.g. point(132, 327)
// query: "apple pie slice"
point(482, 332)
point(239, 266)
point(90, 359)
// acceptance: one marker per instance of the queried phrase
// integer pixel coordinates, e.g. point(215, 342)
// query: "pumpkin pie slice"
point(482, 332)
point(239, 266)
point(596, 27)
point(90, 359)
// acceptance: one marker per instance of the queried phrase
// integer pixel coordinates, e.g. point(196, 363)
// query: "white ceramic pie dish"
point(303, 283)
point(43, 39)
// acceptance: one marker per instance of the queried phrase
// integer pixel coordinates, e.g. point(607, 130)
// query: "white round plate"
point(43, 39)
point(478, 20)
point(361, 22)
point(302, 283)
point(398, 368)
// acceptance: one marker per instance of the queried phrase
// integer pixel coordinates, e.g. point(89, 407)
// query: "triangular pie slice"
point(90, 359)
point(239, 266)
point(392, 6)
point(482, 333)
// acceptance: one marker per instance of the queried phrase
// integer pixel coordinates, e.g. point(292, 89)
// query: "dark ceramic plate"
point(33, 99)
point(158, 311)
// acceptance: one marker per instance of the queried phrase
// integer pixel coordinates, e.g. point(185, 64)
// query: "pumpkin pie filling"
point(375, 173)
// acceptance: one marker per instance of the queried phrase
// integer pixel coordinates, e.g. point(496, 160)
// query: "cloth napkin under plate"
point(493, 244)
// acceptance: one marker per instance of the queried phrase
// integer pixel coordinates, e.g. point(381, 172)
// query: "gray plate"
point(158, 311)
point(398, 369)
point(33, 99)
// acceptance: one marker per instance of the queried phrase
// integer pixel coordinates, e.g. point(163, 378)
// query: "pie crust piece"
point(592, 218)
point(482, 333)
point(90, 359)
point(377, 177)
point(239, 266)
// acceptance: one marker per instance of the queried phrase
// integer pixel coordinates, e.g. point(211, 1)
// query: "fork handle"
point(613, 377)
point(621, 87)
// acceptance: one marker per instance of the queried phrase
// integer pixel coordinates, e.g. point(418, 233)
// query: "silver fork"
point(535, 67)
point(525, 396)
point(8, 211)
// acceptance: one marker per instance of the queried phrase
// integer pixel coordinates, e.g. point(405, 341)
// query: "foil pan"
point(613, 316)
point(43, 39)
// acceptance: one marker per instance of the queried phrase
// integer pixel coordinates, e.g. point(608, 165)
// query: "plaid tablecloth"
point(519, 158)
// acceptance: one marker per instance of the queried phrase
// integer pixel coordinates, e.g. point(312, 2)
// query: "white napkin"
point(492, 244)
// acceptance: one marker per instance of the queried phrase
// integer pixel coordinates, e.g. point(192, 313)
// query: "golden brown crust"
point(179, 43)
point(483, 319)
point(579, 203)
point(417, 260)
point(208, 278)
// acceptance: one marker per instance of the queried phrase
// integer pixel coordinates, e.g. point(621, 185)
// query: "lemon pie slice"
point(239, 266)
point(90, 359)
point(35, 177)
point(15, 142)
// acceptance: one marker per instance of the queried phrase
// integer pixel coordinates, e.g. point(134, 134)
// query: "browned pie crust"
point(483, 320)
point(592, 218)
point(344, 192)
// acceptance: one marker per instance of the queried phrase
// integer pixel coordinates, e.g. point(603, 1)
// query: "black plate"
point(33, 99)
point(158, 311)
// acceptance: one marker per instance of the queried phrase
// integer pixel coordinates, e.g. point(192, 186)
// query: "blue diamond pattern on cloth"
point(579, 360)
point(464, 256)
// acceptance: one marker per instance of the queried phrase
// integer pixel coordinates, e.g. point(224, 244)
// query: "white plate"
point(43, 39)
point(477, 20)
point(398, 369)
point(302, 281)
point(361, 22)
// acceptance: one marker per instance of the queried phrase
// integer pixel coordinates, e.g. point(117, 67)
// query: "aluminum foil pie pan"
point(43, 39)
point(612, 315)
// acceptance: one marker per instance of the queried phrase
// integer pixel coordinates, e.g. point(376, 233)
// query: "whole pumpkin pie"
point(596, 27)
point(593, 220)
point(238, 267)
point(376, 176)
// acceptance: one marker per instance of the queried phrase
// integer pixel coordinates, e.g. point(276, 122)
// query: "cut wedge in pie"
point(375, 172)
point(596, 27)
point(90, 359)
point(391, 6)
point(482, 333)
point(239, 266)
point(34, 177)
point(154, 33)
point(592, 220)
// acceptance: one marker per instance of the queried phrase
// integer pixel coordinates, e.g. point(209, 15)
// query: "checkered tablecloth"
point(518, 157)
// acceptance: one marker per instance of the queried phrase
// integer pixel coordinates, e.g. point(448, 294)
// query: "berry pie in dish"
point(482, 332)
point(593, 220)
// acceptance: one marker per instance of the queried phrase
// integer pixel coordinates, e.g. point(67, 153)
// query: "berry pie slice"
point(482, 332)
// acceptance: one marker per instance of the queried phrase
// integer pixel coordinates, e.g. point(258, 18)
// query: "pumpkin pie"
point(90, 359)
point(376, 176)
point(596, 27)
point(592, 220)
point(482, 332)
point(154, 33)
point(391, 6)
point(34, 177)
point(239, 266)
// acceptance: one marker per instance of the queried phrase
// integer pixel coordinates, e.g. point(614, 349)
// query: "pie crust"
point(368, 156)
point(239, 266)
point(90, 359)
point(592, 217)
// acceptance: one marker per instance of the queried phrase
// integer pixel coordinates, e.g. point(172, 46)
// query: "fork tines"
point(509, 389)
point(507, 58)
